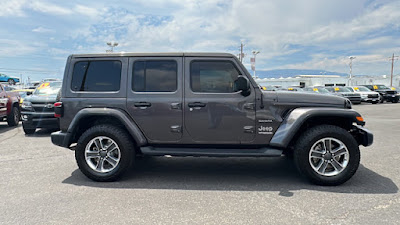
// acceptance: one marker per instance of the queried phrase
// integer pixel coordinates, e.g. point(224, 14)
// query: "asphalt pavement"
point(41, 184)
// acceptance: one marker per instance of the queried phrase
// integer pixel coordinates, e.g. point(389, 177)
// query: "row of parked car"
point(356, 94)
point(34, 105)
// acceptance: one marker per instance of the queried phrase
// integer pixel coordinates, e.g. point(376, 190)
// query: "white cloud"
point(12, 8)
point(46, 7)
point(42, 30)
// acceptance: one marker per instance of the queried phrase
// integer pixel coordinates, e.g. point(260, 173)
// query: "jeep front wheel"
point(104, 152)
point(327, 155)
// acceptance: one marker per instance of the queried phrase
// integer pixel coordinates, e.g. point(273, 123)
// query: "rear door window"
point(154, 76)
point(96, 76)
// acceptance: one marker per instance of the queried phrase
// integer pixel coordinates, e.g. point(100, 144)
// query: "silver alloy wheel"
point(329, 156)
point(102, 154)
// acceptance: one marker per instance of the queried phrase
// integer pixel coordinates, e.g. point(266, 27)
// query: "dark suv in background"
point(387, 94)
point(114, 107)
point(38, 108)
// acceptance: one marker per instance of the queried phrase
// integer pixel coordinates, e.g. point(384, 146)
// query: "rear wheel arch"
point(87, 118)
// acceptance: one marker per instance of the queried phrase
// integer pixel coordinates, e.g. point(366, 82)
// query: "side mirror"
point(242, 84)
point(28, 93)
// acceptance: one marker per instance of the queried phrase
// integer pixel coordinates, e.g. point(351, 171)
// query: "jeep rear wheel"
point(327, 155)
point(104, 152)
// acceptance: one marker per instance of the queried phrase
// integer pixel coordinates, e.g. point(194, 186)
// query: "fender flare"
point(296, 118)
point(128, 123)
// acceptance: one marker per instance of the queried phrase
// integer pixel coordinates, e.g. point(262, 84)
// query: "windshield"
point(381, 87)
point(322, 90)
point(361, 88)
point(48, 88)
point(340, 89)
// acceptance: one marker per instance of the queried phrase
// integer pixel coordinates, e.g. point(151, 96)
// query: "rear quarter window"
point(96, 76)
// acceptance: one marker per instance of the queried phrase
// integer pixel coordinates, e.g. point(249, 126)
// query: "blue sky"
point(37, 36)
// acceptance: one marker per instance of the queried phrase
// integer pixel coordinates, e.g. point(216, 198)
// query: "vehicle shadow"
point(42, 132)
point(232, 174)
point(4, 127)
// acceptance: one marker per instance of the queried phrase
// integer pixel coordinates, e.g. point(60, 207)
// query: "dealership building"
point(328, 80)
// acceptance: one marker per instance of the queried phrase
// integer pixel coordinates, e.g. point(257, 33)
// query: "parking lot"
point(41, 184)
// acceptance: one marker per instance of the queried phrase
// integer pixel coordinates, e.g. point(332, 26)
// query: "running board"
point(212, 152)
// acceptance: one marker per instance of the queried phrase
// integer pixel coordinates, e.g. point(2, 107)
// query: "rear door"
point(154, 97)
point(214, 112)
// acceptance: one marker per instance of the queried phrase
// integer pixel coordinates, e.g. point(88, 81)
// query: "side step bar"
point(212, 152)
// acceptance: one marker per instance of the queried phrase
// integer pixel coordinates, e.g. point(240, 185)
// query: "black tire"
point(312, 136)
point(376, 102)
point(14, 117)
point(395, 100)
point(29, 130)
point(11, 81)
point(125, 145)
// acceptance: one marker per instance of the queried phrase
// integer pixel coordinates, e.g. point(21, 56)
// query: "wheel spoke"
point(328, 144)
point(316, 154)
point(322, 166)
point(111, 148)
point(340, 152)
point(92, 154)
point(336, 165)
point(113, 161)
point(100, 164)
point(97, 142)
point(341, 146)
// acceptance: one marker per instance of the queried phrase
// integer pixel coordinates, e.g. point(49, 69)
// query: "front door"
point(154, 97)
point(213, 112)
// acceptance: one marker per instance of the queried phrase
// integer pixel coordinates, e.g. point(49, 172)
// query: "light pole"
point(112, 45)
point(351, 69)
point(254, 63)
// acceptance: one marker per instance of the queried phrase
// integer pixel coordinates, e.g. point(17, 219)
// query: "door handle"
point(196, 104)
point(142, 104)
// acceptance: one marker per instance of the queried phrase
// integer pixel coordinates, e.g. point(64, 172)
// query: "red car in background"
point(9, 106)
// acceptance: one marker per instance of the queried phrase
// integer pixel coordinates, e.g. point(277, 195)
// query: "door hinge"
point(249, 106)
point(176, 105)
point(249, 129)
point(176, 129)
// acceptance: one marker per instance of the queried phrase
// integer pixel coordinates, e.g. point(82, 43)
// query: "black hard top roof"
point(155, 54)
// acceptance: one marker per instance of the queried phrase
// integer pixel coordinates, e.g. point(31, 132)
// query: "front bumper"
point(366, 99)
point(363, 136)
point(61, 139)
point(33, 120)
point(391, 97)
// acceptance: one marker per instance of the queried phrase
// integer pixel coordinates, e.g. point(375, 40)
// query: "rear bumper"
point(61, 139)
point(364, 136)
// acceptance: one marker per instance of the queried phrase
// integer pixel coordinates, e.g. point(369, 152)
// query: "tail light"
point(58, 109)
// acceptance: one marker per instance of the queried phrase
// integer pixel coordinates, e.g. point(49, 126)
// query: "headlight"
point(364, 95)
point(26, 105)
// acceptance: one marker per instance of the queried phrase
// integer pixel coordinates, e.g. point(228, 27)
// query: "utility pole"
point(241, 54)
point(391, 72)
point(351, 69)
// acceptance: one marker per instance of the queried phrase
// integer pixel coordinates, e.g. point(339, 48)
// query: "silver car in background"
point(366, 94)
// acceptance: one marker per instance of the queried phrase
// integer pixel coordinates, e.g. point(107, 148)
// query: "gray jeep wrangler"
point(116, 107)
